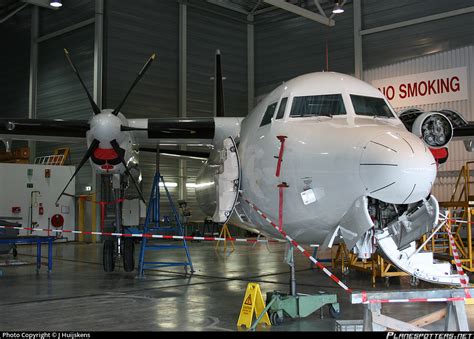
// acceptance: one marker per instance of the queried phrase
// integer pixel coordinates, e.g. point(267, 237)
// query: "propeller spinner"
point(105, 130)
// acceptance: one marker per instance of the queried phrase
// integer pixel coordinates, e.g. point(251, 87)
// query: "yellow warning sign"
point(253, 303)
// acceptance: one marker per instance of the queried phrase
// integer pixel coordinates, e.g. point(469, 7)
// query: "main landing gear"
point(116, 248)
point(111, 253)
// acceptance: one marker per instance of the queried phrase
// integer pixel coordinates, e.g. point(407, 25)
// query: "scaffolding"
point(57, 159)
point(459, 212)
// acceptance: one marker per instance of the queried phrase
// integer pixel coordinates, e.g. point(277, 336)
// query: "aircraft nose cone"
point(397, 168)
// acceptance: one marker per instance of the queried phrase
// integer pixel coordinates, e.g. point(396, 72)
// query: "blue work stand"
point(31, 239)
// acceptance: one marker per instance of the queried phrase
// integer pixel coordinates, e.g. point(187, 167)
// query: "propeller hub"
point(105, 126)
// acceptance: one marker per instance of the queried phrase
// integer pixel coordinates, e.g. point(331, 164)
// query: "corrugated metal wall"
point(210, 28)
point(60, 95)
point(413, 41)
point(135, 30)
point(287, 45)
point(15, 65)
point(208, 32)
point(450, 59)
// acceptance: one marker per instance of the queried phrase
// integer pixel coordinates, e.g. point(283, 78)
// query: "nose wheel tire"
point(128, 251)
point(276, 319)
point(335, 314)
point(108, 257)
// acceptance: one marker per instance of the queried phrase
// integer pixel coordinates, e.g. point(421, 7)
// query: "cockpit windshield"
point(374, 107)
point(317, 105)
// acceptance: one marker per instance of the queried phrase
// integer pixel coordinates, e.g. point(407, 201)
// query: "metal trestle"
point(153, 226)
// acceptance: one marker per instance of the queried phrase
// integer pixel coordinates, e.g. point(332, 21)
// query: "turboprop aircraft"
point(353, 170)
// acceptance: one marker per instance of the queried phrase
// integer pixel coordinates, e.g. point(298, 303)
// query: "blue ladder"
point(153, 217)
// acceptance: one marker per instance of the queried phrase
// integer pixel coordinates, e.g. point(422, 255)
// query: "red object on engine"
point(440, 154)
point(105, 154)
point(41, 209)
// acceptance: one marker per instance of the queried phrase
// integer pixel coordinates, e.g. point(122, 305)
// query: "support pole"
point(358, 64)
point(33, 83)
point(250, 63)
point(290, 260)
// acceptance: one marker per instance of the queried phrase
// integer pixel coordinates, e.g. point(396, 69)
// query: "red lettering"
point(403, 91)
point(455, 87)
point(420, 86)
point(444, 85)
point(431, 88)
point(390, 93)
point(412, 90)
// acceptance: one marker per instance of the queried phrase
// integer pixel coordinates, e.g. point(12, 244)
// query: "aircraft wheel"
point(276, 319)
point(108, 258)
point(128, 255)
point(14, 252)
point(335, 314)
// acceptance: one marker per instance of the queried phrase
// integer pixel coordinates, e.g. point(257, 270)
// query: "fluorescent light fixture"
point(194, 185)
point(55, 3)
point(169, 184)
point(338, 9)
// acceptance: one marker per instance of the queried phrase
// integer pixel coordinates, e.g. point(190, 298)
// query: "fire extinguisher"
point(41, 209)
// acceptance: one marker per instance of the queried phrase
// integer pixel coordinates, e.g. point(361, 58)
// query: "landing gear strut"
point(116, 248)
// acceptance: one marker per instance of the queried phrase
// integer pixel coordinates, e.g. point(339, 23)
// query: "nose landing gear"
point(295, 305)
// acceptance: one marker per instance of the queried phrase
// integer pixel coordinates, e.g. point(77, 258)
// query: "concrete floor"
point(79, 296)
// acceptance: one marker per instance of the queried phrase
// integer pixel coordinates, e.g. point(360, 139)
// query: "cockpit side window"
point(267, 117)
point(374, 107)
point(317, 105)
point(281, 109)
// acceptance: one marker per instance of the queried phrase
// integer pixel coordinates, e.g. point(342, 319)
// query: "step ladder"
point(153, 226)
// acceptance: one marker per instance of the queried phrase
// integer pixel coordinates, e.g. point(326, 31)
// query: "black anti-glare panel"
point(44, 127)
point(181, 128)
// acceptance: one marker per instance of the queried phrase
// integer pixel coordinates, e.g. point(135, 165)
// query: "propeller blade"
point(117, 150)
point(220, 109)
point(95, 143)
point(130, 129)
point(95, 108)
point(137, 79)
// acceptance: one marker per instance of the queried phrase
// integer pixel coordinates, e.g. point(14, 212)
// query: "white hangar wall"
point(460, 57)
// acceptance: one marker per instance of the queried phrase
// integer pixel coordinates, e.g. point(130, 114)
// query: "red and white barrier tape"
point(413, 300)
point(457, 261)
point(301, 249)
point(143, 235)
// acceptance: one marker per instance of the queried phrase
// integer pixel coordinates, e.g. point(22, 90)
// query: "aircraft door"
point(227, 181)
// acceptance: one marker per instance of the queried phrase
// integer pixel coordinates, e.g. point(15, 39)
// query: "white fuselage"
point(341, 158)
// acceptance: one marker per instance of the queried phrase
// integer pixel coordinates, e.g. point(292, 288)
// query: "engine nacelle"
point(434, 128)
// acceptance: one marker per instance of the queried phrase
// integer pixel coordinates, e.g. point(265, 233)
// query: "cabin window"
point(374, 107)
point(317, 105)
point(281, 109)
point(267, 117)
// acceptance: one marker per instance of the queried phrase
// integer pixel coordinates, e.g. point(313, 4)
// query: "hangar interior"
point(262, 43)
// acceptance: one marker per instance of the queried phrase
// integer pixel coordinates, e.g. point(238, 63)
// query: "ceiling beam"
point(228, 5)
point(301, 12)
point(418, 20)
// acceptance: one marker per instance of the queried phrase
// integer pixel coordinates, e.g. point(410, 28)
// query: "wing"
point(43, 129)
point(183, 131)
